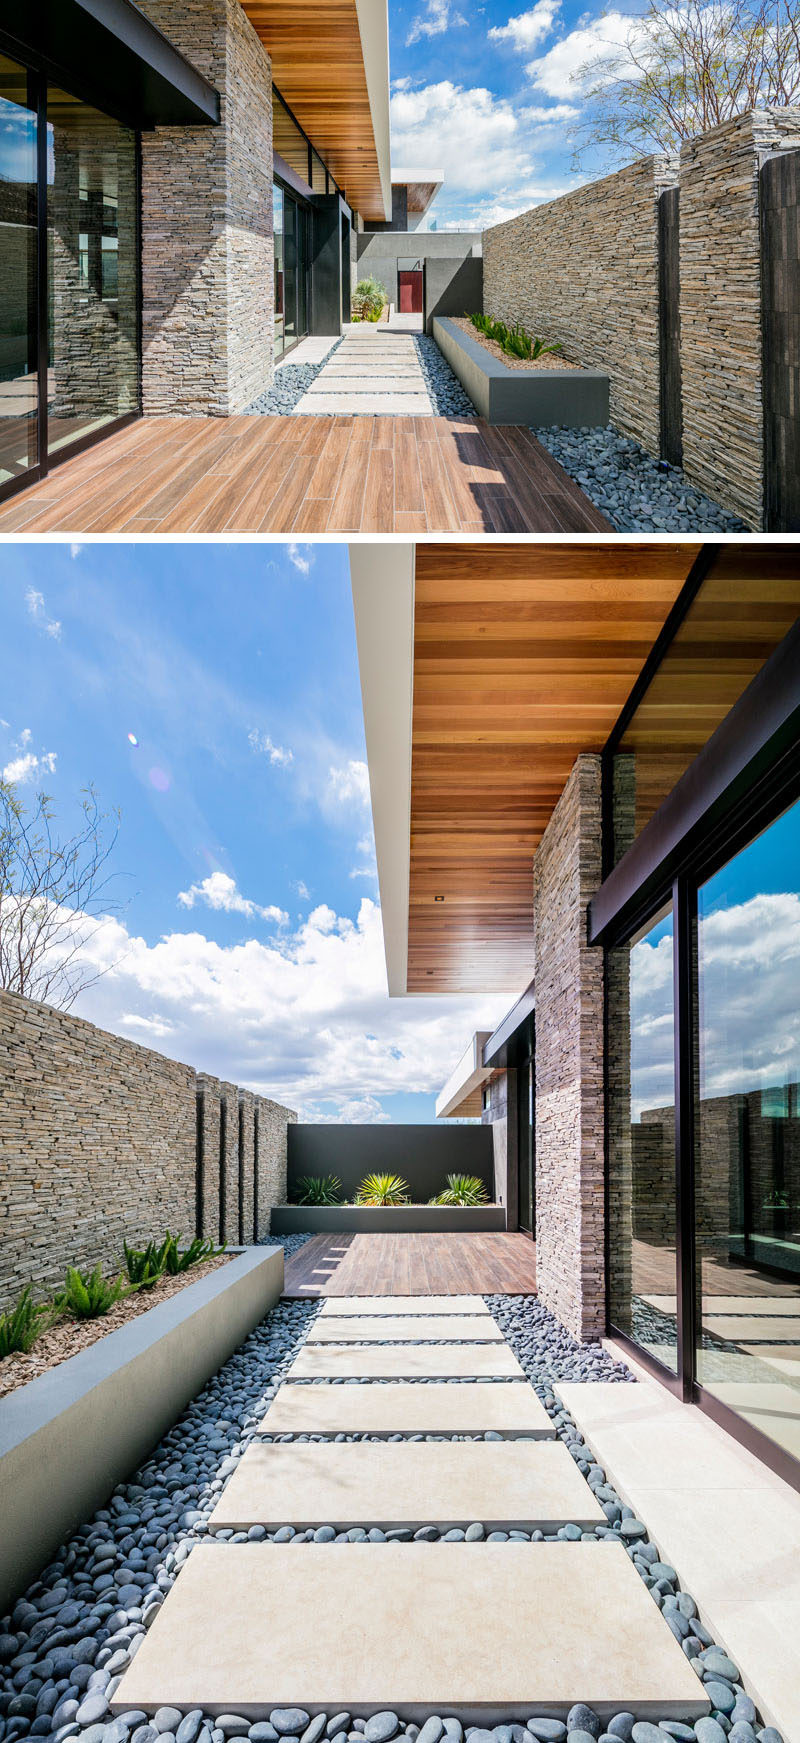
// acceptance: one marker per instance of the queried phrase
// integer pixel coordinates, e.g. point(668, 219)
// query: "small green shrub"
point(145, 1265)
point(382, 1189)
point(462, 1189)
point(514, 340)
point(178, 1260)
point(21, 1325)
point(88, 1294)
point(368, 300)
point(319, 1189)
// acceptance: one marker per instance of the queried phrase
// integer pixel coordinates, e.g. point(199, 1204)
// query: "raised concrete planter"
point(69, 1436)
point(501, 395)
point(300, 1219)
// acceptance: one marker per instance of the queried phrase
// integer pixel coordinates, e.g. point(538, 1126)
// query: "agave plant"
point(88, 1294)
point(382, 1189)
point(21, 1325)
point(462, 1189)
point(179, 1259)
point(318, 1189)
point(145, 1265)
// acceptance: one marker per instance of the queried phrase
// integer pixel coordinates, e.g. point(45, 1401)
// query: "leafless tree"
point(51, 894)
point(682, 67)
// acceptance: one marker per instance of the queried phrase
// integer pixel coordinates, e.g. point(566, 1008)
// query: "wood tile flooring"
point(453, 1264)
point(307, 475)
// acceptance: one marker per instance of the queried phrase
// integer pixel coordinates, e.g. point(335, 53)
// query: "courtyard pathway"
point(375, 372)
point(530, 1604)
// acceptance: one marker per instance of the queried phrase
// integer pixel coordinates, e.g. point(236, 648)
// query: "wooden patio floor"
point(491, 1264)
point(307, 475)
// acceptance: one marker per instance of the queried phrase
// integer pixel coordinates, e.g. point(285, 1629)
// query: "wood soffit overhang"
point(318, 66)
point(523, 657)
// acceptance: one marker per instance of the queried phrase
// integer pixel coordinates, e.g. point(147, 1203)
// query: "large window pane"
point(92, 269)
point(287, 139)
point(18, 319)
point(277, 241)
point(747, 1133)
point(641, 1111)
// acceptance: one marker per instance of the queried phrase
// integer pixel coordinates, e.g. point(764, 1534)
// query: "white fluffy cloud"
point(348, 785)
point(38, 611)
point(556, 72)
point(304, 1017)
point(476, 134)
point(264, 746)
point(26, 765)
point(219, 891)
point(528, 28)
point(439, 16)
point(301, 556)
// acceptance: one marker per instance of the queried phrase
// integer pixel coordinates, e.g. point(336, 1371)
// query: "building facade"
point(601, 792)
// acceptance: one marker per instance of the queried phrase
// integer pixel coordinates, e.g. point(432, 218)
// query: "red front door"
point(409, 292)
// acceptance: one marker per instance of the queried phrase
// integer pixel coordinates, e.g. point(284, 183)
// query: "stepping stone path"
point(386, 1329)
point(372, 1306)
point(340, 1641)
point(373, 373)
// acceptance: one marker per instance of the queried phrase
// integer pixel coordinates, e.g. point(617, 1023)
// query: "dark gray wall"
point(422, 1155)
point(327, 268)
point(453, 266)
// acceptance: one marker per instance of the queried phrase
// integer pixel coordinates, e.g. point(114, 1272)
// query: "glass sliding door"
point(277, 243)
point(290, 267)
point(19, 351)
point(526, 1138)
point(641, 1131)
point(747, 1133)
point(291, 243)
point(92, 265)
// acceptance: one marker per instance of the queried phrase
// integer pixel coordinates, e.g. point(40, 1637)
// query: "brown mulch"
point(550, 360)
point(71, 1335)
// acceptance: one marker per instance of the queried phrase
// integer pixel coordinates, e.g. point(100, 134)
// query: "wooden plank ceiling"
point(318, 67)
point(523, 656)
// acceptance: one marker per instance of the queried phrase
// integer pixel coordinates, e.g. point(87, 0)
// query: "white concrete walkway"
point(374, 372)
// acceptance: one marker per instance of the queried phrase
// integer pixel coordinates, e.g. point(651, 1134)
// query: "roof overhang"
point(486, 670)
point(422, 184)
point(145, 81)
point(500, 1048)
point(330, 62)
point(382, 578)
point(462, 1096)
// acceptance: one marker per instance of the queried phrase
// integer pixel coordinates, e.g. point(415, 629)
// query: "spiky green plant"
point(22, 1324)
point(462, 1189)
point(382, 1189)
point(318, 1189)
point(88, 1294)
point(179, 1259)
point(514, 339)
point(145, 1265)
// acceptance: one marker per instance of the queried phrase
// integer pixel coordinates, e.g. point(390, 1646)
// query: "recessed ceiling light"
point(438, 898)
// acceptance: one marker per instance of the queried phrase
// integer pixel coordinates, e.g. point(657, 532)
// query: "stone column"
point(207, 313)
point(569, 1060)
point(720, 264)
point(208, 1114)
point(246, 1166)
point(273, 1123)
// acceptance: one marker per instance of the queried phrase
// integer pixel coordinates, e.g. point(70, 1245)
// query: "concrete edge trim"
point(294, 1219)
point(30, 1407)
point(57, 1469)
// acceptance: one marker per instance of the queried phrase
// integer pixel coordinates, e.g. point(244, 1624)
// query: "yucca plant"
point(21, 1325)
point(382, 1189)
point(179, 1259)
point(88, 1294)
point(318, 1189)
point(145, 1265)
point(462, 1189)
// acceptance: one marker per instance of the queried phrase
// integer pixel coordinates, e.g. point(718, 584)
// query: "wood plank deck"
point(451, 1264)
point(307, 475)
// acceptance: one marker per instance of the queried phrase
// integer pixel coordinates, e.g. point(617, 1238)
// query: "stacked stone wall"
point(207, 252)
point(102, 1140)
point(569, 1060)
point(583, 270)
point(720, 306)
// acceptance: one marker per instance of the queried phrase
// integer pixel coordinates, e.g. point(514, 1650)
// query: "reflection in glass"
point(747, 1133)
point(641, 1112)
point(277, 236)
point(93, 374)
point(290, 240)
point(526, 1138)
point(287, 139)
point(18, 317)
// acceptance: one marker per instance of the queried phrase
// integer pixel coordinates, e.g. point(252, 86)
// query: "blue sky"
point(488, 94)
point(248, 941)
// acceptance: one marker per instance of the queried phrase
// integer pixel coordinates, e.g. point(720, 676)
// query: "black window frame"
point(41, 72)
point(742, 780)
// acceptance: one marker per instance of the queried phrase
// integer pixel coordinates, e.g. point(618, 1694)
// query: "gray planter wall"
point(68, 1437)
point(501, 395)
point(422, 1155)
point(453, 266)
point(439, 1219)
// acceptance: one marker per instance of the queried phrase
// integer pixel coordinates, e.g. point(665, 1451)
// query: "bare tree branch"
point(52, 893)
point(683, 66)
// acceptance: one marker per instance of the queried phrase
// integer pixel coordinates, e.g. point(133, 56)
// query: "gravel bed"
point(445, 392)
point(66, 1644)
point(636, 493)
point(290, 382)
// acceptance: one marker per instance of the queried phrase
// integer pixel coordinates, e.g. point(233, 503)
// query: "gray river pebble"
point(635, 492)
